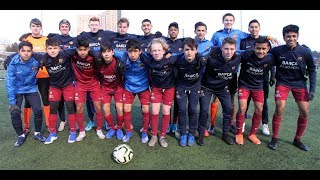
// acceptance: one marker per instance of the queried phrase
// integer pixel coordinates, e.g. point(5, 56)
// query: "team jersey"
point(39, 45)
point(59, 68)
point(293, 65)
point(175, 46)
point(119, 42)
point(219, 71)
point(219, 36)
point(96, 39)
point(204, 46)
point(253, 70)
point(21, 77)
point(109, 76)
point(66, 41)
point(85, 69)
point(145, 41)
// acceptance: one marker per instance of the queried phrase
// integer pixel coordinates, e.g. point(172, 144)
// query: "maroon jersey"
point(109, 75)
point(84, 69)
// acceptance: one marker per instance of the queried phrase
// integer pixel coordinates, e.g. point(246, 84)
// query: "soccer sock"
point(301, 126)
point(127, 117)
point(214, 111)
point(255, 123)
point(240, 121)
point(109, 120)
point(165, 124)
point(146, 119)
point(53, 118)
point(26, 117)
point(276, 121)
point(119, 121)
point(99, 118)
point(72, 122)
point(46, 113)
point(154, 124)
point(80, 120)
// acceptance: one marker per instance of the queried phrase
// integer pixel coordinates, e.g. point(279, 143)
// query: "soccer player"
point(248, 43)
point(21, 83)
point(162, 88)
point(66, 41)
point(38, 42)
point(254, 65)
point(293, 63)
point(111, 80)
point(221, 67)
point(188, 84)
point(136, 83)
point(84, 65)
point(58, 64)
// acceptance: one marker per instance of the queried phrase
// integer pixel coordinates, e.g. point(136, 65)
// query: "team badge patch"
point(34, 68)
point(299, 58)
point(60, 60)
point(265, 65)
point(234, 36)
point(71, 42)
point(141, 65)
point(233, 67)
point(99, 38)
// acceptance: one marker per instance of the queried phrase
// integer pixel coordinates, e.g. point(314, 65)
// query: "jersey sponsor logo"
point(191, 77)
point(94, 44)
point(282, 57)
point(225, 76)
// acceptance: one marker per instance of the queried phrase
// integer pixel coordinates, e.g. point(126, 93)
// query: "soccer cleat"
point(183, 140)
point(273, 144)
point(119, 134)
point(163, 142)
point(153, 141)
point(190, 139)
point(239, 139)
point(254, 139)
point(211, 130)
point(127, 137)
point(61, 126)
point(206, 133)
point(144, 137)
point(107, 127)
point(227, 139)
point(248, 116)
point(39, 137)
point(265, 129)
point(300, 145)
point(20, 141)
point(90, 125)
point(51, 138)
point(174, 128)
point(177, 134)
point(200, 141)
point(100, 134)
point(72, 137)
point(81, 135)
point(110, 133)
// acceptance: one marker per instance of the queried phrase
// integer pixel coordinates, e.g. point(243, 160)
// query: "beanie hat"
point(64, 21)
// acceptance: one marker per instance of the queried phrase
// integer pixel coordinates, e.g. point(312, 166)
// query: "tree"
point(13, 47)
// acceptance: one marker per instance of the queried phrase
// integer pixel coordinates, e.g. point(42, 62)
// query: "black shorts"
point(233, 84)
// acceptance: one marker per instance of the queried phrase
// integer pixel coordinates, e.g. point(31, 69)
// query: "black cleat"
point(20, 141)
point(227, 139)
point(39, 137)
point(300, 145)
point(200, 141)
point(273, 144)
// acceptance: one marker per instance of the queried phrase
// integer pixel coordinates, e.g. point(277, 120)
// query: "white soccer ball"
point(122, 154)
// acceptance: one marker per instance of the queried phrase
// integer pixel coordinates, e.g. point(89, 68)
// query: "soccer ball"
point(122, 154)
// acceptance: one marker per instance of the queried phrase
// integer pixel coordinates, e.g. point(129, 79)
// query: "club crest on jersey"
point(299, 58)
point(34, 68)
point(70, 42)
point(265, 65)
point(180, 49)
point(141, 65)
point(127, 41)
point(60, 60)
point(165, 66)
point(99, 38)
point(234, 36)
point(233, 67)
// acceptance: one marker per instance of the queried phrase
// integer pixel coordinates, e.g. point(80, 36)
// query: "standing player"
point(293, 63)
point(21, 83)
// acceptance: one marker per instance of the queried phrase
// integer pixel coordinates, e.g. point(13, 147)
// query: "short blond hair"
point(161, 41)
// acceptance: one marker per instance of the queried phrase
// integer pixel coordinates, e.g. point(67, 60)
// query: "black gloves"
point(158, 34)
point(311, 96)
point(24, 36)
point(14, 108)
point(272, 82)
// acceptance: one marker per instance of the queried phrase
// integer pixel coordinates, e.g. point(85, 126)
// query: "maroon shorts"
point(165, 96)
point(81, 92)
point(257, 95)
point(144, 97)
point(107, 95)
point(56, 93)
point(299, 94)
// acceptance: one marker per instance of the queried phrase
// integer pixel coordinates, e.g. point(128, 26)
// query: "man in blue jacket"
point(21, 82)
